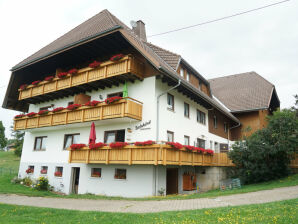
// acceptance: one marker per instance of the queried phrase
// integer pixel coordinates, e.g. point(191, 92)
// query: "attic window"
point(187, 76)
point(181, 72)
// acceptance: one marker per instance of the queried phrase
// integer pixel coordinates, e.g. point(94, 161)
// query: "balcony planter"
point(92, 103)
point(209, 152)
point(77, 146)
point(73, 71)
point(23, 87)
point(190, 148)
point(116, 57)
point(118, 145)
point(73, 106)
point(35, 83)
point(19, 116)
point(49, 78)
point(96, 145)
point(94, 64)
point(149, 142)
point(200, 150)
point(62, 75)
point(175, 145)
point(113, 99)
point(32, 114)
point(43, 112)
point(58, 109)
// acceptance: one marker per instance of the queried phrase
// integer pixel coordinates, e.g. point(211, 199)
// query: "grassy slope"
point(277, 212)
point(9, 160)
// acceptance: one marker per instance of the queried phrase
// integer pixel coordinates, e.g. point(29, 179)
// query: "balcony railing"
point(157, 154)
point(107, 69)
point(126, 107)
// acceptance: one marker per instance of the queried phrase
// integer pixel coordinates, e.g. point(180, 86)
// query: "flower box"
point(123, 177)
point(62, 75)
point(36, 82)
point(73, 106)
point(94, 64)
point(24, 86)
point(113, 99)
point(92, 103)
point(117, 145)
point(149, 142)
point(29, 171)
point(19, 116)
point(209, 152)
point(73, 71)
point(58, 174)
point(96, 145)
point(200, 150)
point(190, 148)
point(43, 112)
point(77, 146)
point(96, 174)
point(175, 145)
point(58, 109)
point(116, 57)
point(32, 114)
point(43, 171)
point(49, 78)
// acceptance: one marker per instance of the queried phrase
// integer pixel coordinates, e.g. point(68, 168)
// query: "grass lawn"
point(277, 212)
point(9, 160)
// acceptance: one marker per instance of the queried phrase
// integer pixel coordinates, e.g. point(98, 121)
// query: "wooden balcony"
point(126, 107)
point(107, 74)
point(154, 155)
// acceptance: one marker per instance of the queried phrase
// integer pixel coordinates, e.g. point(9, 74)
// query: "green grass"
point(8, 159)
point(276, 212)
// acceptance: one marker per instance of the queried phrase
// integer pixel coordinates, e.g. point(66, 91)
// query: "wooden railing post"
point(192, 158)
point(87, 155)
point(129, 156)
point(107, 156)
point(155, 156)
point(164, 156)
point(123, 108)
point(70, 155)
point(180, 157)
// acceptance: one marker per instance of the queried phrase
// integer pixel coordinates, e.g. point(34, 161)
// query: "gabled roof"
point(243, 92)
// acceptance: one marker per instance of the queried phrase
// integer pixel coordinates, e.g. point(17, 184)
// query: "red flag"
point(92, 136)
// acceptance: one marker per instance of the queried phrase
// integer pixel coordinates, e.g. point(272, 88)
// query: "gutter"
point(248, 110)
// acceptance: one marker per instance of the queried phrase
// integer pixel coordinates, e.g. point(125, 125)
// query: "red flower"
point(58, 109)
point(58, 174)
point(31, 114)
point(42, 112)
point(43, 171)
point(149, 142)
point(190, 148)
point(49, 78)
point(116, 145)
point(209, 151)
point(96, 145)
point(77, 146)
point(73, 106)
point(96, 174)
point(19, 116)
point(94, 64)
point(92, 103)
point(113, 99)
point(62, 75)
point(35, 82)
point(24, 86)
point(73, 71)
point(175, 145)
point(200, 150)
point(116, 57)
point(29, 170)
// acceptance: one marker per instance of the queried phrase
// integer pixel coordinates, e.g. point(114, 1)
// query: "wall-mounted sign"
point(144, 124)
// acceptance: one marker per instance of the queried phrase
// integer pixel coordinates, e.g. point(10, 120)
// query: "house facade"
point(107, 73)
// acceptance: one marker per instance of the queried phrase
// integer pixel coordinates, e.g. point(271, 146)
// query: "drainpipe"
point(236, 126)
point(157, 108)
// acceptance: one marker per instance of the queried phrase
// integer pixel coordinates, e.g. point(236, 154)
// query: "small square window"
point(40, 143)
point(58, 171)
point(95, 172)
point(181, 71)
point(120, 174)
point(44, 170)
point(30, 170)
point(187, 76)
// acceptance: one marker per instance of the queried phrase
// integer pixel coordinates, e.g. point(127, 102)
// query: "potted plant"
point(116, 57)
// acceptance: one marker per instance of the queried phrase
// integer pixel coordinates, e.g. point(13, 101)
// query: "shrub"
point(43, 112)
point(19, 116)
point(42, 184)
point(27, 181)
point(92, 103)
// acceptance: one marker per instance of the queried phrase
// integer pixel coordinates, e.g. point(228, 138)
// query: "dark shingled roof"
point(245, 91)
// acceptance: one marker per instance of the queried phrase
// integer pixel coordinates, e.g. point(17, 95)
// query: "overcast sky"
point(265, 41)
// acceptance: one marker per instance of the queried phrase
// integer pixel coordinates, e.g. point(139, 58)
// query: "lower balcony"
point(124, 108)
point(157, 154)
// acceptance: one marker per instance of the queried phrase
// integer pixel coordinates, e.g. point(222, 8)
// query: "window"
point(226, 127)
point(170, 136)
point(215, 122)
point(181, 71)
point(70, 139)
point(186, 140)
point(95, 172)
point(186, 110)
point(115, 94)
point(216, 146)
point(44, 170)
point(120, 174)
point(211, 144)
point(70, 103)
point(170, 101)
point(201, 143)
point(114, 136)
point(40, 143)
point(30, 169)
point(58, 171)
point(201, 117)
point(45, 108)
point(187, 76)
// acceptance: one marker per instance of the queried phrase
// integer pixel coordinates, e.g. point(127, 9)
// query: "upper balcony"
point(107, 74)
point(124, 108)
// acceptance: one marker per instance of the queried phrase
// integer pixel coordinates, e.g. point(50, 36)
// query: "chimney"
point(140, 30)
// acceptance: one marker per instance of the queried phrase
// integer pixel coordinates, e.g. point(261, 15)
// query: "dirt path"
point(258, 197)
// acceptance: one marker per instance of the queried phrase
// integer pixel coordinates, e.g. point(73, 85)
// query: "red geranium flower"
point(190, 148)
point(175, 145)
point(200, 150)
point(77, 146)
point(96, 145)
point(116, 145)
point(49, 78)
point(113, 99)
point(31, 114)
point(209, 152)
point(62, 75)
point(19, 116)
point(42, 112)
point(116, 57)
point(73, 71)
point(58, 174)
point(35, 82)
point(29, 170)
point(94, 64)
point(58, 109)
point(92, 103)
point(24, 86)
point(149, 142)
point(73, 106)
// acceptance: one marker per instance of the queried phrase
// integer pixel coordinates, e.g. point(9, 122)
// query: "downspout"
point(236, 126)
point(157, 108)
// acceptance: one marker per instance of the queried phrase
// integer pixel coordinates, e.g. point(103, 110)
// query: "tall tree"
point(3, 139)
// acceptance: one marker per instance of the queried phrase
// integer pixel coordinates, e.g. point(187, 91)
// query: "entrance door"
point(172, 181)
point(75, 181)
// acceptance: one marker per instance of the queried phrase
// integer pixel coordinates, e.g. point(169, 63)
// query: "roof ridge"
point(163, 49)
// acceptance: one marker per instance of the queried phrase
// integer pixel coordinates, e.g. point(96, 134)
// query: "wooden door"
point(172, 181)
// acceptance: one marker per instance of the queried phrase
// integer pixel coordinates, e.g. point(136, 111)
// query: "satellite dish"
point(133, 24)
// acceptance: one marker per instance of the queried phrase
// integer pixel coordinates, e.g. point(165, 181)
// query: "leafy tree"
point(267, 153)
point(18, 139)
point(3, 139)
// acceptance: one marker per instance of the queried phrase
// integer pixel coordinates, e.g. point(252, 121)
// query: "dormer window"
point(181, 72)
point(187, 76)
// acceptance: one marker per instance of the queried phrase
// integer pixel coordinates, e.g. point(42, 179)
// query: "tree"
point(3, 139)
point(18, 139)
point(267, 153)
